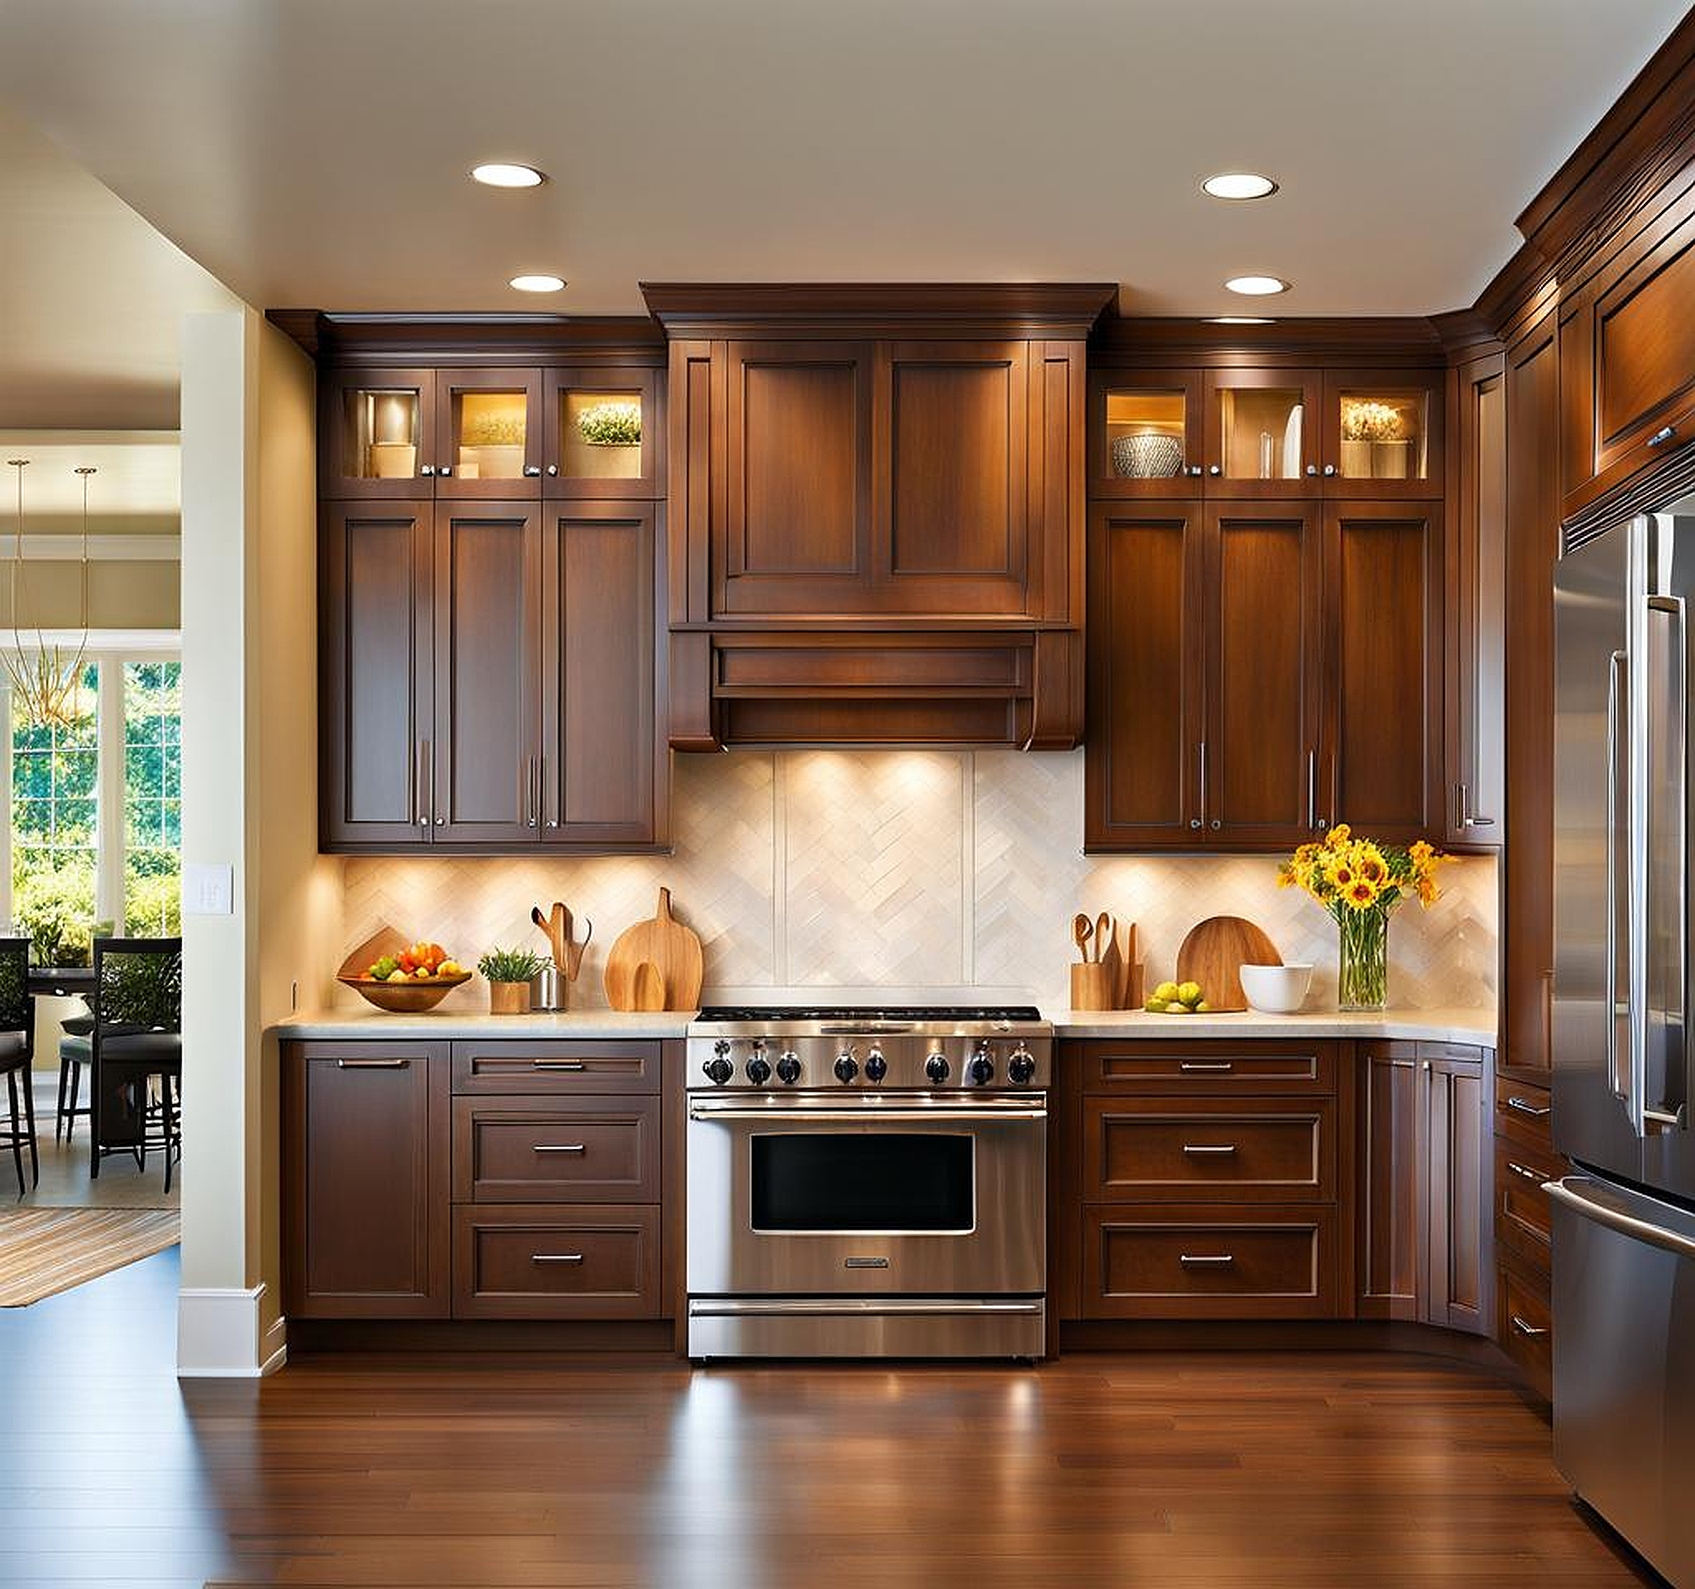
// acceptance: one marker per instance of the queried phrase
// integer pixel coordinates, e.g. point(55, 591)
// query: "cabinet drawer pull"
point(557, 1064)
point(1525, 1328)
point(1525, 1107)
point(1529, 1175)
point(1661, 437)
point(560, 1147)
point(372, 1064)
point(1206, 1260)
point(1206, 1150)
point(556, 1257)
point(1188, 1066)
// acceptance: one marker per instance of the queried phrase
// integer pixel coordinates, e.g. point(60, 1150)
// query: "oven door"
point(822, 1196)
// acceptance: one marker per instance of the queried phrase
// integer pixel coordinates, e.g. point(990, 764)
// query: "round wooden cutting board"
point(1214, 953)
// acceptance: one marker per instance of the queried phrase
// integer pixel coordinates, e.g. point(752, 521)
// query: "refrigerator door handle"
point(1569, 1191)
point(1617, 1081)
point(1672, 1010)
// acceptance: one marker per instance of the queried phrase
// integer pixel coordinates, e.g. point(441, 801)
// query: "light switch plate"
point(208, 889)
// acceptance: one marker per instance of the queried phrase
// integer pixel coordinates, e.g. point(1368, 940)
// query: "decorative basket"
point(1147, 455)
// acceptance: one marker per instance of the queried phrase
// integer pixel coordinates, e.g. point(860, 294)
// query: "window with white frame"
point(95, 833)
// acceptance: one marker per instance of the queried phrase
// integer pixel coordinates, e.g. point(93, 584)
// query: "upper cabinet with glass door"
point(1382, 434)
point(605, 433)
point(489, 442)
point(1263, 433)
point(377, 438)
point(1145, 435)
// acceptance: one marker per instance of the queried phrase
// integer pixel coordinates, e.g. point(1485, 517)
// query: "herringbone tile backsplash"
point(928, 874)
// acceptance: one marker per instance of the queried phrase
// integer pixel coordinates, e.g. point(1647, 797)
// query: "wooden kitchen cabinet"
point(1476, 606)
point(1423, 1159)
point(1382, 771)
point(576, 404)
point(1382, 434)
point(1264, 432)
point(376, 673)
point(1147, 436)
point(366, 1180)
point(489, 441)
point(377, 433)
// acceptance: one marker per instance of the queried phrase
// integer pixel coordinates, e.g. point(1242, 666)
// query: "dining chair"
point(17, 1053)
point(76, 1053)
point(137, 1035)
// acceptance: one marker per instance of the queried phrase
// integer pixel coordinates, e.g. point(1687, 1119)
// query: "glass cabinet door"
point(1383, 434)
point(1145, 433)
point(1262, 433)
point(375, 439)
point(490, 443)
point(605, 433)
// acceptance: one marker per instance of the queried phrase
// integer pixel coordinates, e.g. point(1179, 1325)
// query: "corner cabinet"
point(488, 676)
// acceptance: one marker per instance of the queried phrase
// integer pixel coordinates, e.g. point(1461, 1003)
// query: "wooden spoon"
point(1106, 935)
point(1081, 930)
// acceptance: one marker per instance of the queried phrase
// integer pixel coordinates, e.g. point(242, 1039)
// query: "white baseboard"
point(218, 1334)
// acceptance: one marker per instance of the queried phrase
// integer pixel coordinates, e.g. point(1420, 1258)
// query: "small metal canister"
point(552, 991)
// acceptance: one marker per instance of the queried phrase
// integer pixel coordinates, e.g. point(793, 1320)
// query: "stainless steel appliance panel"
point(866, 1327)
point(1624, 1363)
point(1597, 872)
point(1000, 1247)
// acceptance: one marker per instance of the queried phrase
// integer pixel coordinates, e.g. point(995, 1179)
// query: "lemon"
point(1166, 991)
point(1190, 993)
point(1202, 1007)
point(1157, 1005)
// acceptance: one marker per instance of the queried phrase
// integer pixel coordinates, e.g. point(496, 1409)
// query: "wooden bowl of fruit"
point(407, 981)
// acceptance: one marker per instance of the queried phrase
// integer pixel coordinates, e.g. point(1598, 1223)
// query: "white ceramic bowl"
point(1276, 990)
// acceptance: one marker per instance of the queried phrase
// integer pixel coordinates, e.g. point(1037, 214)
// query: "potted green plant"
point(509, 973)
point(612, 438)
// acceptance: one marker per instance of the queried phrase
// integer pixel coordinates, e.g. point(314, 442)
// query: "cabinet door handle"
point(532, 471)
point(1204, 780)
point(1524, 1327)
point(1528, 1174)
point(553, 469)
point(556, 1257)
point(372, 1064)
point(531, 783)
point(1312, 789)
point(560, 1147)
point(1202, 1150)
point(1312, 469)
point(1525, 1107)
point(1215, 469)
point(557, 1064)
point(1196, 469)
point(1187, 1066)
point(1661, 437)
point(423, 785)
point(444, 469)
point(1206, 1260)
point(1329, 469)
point(426, 469)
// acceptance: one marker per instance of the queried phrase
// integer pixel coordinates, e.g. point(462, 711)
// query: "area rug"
point(45, 1250)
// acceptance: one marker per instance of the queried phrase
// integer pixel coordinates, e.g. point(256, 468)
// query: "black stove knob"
point(759, 1070)
point(981, 1070)
point(847, 1067)
point(788, 1067)
point(718, 1070)
point(936, 1069)
point(1021, 1067)
point(876, 1067)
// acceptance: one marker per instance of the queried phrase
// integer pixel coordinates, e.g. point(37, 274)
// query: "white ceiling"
point(137, 489)
point(91, 297)
point(311, 152)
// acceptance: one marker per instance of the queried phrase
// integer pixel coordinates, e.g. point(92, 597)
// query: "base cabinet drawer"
point(1524, 1324)
point(550, 1064)
point(1523, 1218)
point(1143, 1149)
point(549, 1261)
point(1524, 1113)
point(1196, 1068)
point(552, 1150)
point(1216, 1262)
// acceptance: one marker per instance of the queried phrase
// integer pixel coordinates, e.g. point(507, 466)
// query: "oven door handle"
point(852, 1307)
point(865, 1117)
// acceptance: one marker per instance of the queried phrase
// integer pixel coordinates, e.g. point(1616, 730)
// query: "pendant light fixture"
point(46, 679)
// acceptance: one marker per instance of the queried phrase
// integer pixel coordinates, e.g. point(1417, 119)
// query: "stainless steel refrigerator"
point(1624, 1219)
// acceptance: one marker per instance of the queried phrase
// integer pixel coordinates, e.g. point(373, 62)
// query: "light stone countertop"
point(1476, 1027)
point(1431, 1026)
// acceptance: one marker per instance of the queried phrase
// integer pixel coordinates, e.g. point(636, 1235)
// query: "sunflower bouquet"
point(1361, 883)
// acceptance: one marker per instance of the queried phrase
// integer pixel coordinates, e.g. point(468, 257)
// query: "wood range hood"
point(876, 508)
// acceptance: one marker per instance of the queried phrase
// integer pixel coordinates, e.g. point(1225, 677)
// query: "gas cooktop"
point(731, 1014)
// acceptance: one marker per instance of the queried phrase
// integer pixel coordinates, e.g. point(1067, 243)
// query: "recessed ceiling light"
point(1239, 185)
point(1240, 320)
point(505, 174)
point(1257, 286)
point(538, 283)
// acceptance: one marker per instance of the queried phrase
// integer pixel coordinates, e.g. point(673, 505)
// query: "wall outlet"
point(208, 889)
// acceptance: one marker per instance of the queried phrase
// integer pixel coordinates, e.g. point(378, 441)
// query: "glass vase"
point(1362, 969)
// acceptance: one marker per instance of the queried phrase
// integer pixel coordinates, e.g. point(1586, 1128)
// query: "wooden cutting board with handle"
point(655, 960)
point(1214, 953)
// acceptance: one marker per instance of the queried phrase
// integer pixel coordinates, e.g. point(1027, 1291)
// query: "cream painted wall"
point(249, 801)
point(120, 595)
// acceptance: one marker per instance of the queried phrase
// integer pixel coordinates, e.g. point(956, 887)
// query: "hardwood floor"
point(1242, 1472)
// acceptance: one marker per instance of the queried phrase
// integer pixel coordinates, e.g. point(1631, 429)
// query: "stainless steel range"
point(867, 1182)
